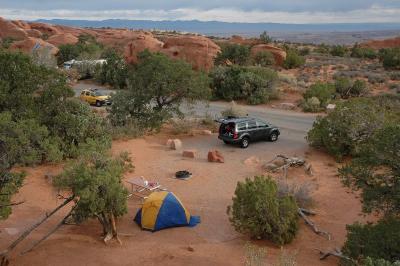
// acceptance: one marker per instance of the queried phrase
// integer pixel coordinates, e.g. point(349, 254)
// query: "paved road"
point(293, 125)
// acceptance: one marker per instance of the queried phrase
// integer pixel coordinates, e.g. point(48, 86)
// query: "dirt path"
point(207, 193)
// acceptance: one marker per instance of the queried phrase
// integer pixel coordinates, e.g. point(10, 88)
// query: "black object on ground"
point(183, 174)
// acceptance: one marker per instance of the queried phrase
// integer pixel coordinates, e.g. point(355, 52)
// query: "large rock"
point(215, 157)
point(199, 51)
point(189, 153)
point(143, 40)
point(60, 39)
point(34, 33)
point(278, 53)
point(44, 28)
point(30, 44)
point(10, 30)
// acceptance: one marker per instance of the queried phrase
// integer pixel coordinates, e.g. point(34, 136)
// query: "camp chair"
point(142, 188)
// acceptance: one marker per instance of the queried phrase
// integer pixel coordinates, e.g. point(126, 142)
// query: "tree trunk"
point(110, 228)
point(33, 227)
point(49, 233)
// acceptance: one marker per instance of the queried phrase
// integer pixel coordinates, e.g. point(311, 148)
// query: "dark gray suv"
point(242, 130)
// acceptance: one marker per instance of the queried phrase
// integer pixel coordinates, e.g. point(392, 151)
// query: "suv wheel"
point(245, 143)
point(98, 103)
point(273, 136)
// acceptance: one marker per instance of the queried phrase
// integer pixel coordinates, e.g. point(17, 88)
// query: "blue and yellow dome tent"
point(164, 210)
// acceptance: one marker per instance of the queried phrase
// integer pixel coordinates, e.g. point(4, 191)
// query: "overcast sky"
point(281, 11)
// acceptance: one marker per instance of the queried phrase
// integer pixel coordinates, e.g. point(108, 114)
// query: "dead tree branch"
point(63, 221)
point(336, 253)
point(33, 227)
point(312, 225)
point(12, 204)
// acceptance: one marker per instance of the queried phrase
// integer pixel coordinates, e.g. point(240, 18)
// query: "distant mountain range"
point(225, 29)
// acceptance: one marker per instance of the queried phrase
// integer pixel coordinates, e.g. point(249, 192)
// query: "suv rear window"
point(227, 129)
point(251, 125)
point(241, 126)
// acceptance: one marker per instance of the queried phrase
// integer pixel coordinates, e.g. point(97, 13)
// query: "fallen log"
point(336, 253)
point(35, 244)
point(33, 227)
point(312, 225)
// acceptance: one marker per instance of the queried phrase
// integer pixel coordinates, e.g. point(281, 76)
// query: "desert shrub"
point(348, 74)
point(312, 105)
point(379, 262)
point(353, 123)
point(395, 75)
point(86, 48)
point(347, 88)
point(293, 60)
point(324, 92)
point(338, 50)
point(363, 52)
point(156, 88)
point(264, 58)
point(390, 58)
point(9, 185)
point(322, 49)
point(254, 84)
point(304, 51)
point(376, 241)
point(302, 193)
point(265, 38)
point(375, 171)
point(374, 78)
point(255, 256)
point(286, 258)
point(6, 42)
point(235, 53)
point(258, 210)
point(67, 52)
point(114, 72)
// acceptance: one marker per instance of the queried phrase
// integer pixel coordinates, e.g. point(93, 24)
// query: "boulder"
point(215, 157)
point(189, 153)
point(144, 40)
point(198, 51)
point(176, 144)
point(278, 53)
point(10, 30)
point(31, 44)
point(60, 39)
point(21, 24)
point(287, 106)
point(330, 107)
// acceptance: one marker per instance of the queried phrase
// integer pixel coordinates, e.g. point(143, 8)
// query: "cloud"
point(374, 14)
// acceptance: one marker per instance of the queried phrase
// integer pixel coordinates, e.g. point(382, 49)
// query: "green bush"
point(347, 88)
point(235, 53)
point(338, 50)
point(264, 58)
point(312, 105)
point(265, 38)
point(353, 123)
point(114, 72)
point(87, 47)
point(255, 85)
point(363, 52)
point(257, 210)
point(390, 58)
point(9, 185)
point(324, 92)
point(375, 171)
point(376, 241)
point(156, 88)
point(293, 60)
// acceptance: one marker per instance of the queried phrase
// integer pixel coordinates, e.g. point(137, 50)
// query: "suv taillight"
point(235, 135)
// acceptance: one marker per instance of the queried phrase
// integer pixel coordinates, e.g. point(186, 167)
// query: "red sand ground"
point(207, 193)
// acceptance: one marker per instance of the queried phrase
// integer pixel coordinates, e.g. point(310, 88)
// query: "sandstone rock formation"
point(143, 40)
point(10, 30)
point(199, 51)
point(278, 53)
point(30, 44)
point(60, 39)
point(44, 28)
point(379, 44)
